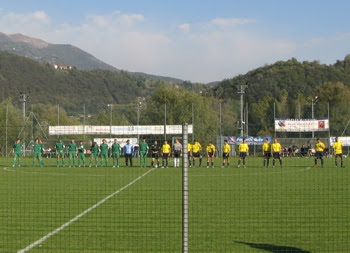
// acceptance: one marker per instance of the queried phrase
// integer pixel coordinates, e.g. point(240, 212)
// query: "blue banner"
point(251, 140)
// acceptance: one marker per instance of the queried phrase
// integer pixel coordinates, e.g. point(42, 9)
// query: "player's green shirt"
point(81, 149)
point(37, 148)
point(115, 148)
point(72, 147)
point(59, 146)
point(94, 149)
point(17, 147)
point(104, 148)
point(144, 147)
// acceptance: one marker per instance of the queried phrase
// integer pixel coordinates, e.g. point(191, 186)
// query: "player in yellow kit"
point(211, 150)
point(189, 149)
point(276, 150)
point(166, 150)
point(196, 153)
point(338, 152)
point(319, 148)
point(266, 148)
point(243, 150)
point(226, 149)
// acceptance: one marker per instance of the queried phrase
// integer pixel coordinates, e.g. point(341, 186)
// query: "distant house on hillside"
point(62, 66)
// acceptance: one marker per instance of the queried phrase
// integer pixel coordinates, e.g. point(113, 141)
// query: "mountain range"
point(62, 55)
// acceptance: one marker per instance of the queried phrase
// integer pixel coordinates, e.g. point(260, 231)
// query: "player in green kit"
point(60, 152)
point(42, 150)
point(104, 152)
point(37, 152)
point(94, 153)
point(143, 153)
point(72, 147)
point(17, 153)
point(116, 153)
point(81, 155)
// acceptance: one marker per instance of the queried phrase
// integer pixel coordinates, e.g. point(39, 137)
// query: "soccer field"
point(296, 208)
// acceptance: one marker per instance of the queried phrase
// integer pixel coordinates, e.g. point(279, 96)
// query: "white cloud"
point(132, 19)
point(32, 24)
point(38, 17)
point(184, 28)
point(228, 22)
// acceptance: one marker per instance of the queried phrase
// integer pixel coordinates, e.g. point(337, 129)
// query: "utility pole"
point(23, 98)
point(139, 104)
point(241, 91)
point(313, 101)
point(164, 121)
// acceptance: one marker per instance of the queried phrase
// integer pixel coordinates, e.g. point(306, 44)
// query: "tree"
point(337, 95)
point(179, 102)
point(11, 128)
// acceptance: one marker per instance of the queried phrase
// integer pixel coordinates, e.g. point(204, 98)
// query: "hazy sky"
point(196, 40)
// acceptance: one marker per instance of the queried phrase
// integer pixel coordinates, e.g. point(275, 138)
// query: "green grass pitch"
point(296, 208)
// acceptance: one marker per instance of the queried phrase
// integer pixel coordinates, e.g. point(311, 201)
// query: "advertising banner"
point(251, 140)
point(345, 140)
point(117, 130)
point(301, 125)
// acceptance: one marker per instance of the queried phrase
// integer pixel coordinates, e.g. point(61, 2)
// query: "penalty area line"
point(44, 238)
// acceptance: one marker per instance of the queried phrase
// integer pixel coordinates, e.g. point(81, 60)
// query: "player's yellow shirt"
point(243, 147)
point(276, 147)
point(319, 146)
point(211, 148)
point(196, 147)
point(226, 148)
point(189, 147)
point(338, 147)
point(166, 148)
point(266, 147)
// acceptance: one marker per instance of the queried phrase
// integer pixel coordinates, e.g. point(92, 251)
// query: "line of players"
point(76, 151)
point(73, 151)
point(274, 150)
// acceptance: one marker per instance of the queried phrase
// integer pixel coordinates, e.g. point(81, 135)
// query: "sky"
point(193, 40)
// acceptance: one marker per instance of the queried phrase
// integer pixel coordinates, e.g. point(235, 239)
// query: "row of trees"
point(179, 105)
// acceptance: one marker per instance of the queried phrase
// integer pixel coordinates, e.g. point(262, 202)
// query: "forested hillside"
point(292, 87)
point(293, 77)
point(69, 88)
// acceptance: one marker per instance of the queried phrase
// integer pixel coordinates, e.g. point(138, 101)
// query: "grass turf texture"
point(296, 208)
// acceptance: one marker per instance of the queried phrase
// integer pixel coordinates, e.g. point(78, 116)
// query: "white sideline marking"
point(44, 238)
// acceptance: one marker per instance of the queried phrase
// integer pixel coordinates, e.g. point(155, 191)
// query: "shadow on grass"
point(273, 248)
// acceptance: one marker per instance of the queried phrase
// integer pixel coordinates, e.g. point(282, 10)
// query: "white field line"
point(44, 238)
point(250, 174)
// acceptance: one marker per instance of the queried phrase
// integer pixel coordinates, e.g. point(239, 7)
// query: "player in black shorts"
point(155, 151)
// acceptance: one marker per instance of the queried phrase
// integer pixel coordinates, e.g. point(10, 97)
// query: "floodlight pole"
point(138, 121)
point(58, 117)
point(313, 101)
point(220, 120)
point(23, 99)
point(84, 122)
point(241, 91)
point(312, 115)
point(164, 121)
point(110, 120)
point(193, 122)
